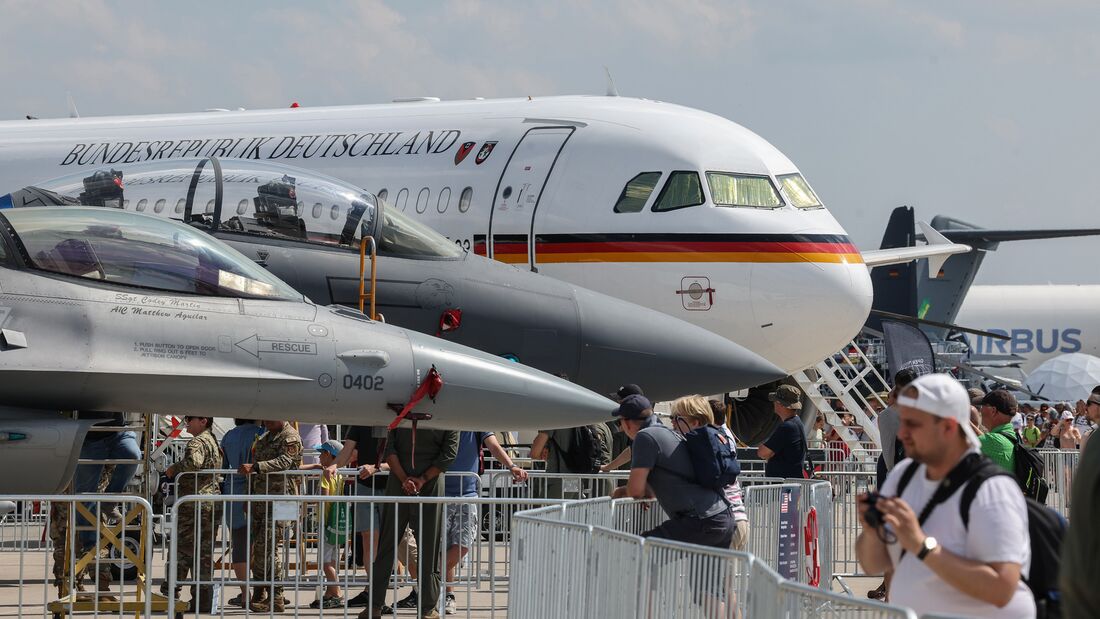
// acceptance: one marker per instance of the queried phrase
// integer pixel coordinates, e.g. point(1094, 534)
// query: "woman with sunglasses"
point(695, 411)
point(197, 523)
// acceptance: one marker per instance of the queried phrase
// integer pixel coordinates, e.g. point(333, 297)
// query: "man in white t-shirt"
point(941, 565)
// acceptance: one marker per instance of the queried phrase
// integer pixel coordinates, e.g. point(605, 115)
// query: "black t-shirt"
point(789, 444)
point(369, 446)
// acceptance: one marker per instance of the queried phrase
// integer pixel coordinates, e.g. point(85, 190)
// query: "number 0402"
point(363, 381)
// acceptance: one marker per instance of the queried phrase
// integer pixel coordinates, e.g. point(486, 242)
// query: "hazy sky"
point(987, 111)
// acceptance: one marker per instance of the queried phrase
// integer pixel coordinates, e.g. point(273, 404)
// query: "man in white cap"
point(941, 564)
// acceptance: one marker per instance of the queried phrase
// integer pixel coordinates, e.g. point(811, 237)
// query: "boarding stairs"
point(848, 379)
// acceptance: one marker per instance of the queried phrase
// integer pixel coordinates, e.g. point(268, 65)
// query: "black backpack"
point(713, 459)
point(1029, 470)
point(585, 453)
point(1046, 527)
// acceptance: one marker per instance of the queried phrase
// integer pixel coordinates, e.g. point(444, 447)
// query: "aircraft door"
point(518, 192)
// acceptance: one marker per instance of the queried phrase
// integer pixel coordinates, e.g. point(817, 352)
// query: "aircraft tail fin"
point(73, 112)
point(895, 285)
point(611, 90)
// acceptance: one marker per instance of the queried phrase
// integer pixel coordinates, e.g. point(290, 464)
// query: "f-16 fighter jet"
point(107, 310)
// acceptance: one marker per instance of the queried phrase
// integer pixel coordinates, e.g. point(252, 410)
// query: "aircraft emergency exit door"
point(518, 193)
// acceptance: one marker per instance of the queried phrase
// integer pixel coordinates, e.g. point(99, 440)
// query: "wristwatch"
point(928, 545)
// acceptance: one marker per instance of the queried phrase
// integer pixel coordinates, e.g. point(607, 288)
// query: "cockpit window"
point(636, 192)
point(402, 236)
point(128, 249)
point(727, 189)
point(682, 190)
point(798, 191)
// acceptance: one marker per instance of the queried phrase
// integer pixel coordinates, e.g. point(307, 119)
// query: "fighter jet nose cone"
point(482, 391)
point(677, 357)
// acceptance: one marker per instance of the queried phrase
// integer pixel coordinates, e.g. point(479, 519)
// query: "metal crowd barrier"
point(791, 529)
point(846, 487)
point(64, 557)
point(274, 530)
point(1060, 465)
point(563, 565)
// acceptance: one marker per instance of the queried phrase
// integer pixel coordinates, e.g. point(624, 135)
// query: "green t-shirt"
point(1032, 436)
point(998, 447)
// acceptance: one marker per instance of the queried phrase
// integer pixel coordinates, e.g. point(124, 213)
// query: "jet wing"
point(938, 250)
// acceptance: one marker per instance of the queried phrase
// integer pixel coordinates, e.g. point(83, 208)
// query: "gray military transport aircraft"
point(103, 309)
point(306, 229)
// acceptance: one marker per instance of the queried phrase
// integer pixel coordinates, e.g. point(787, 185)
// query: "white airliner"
point(1043, 321)
point(662, 205)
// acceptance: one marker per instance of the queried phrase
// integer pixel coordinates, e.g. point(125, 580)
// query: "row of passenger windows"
point(401, 202)
point(684, 189)
point(423, 199)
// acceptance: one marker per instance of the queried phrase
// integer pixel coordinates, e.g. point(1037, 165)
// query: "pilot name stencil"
point(153, 312)
point(169, 302)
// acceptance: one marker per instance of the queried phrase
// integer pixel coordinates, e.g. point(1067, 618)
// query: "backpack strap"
point(907, 476)
point(952, 482)
point(691, 480)
point(970, 491)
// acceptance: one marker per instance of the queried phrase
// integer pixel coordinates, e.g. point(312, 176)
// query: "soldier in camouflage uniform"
point(278, 449)
point(197, 523)
point(59, 526)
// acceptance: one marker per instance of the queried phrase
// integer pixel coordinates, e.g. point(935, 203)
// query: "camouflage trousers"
point(60, 526)
point(196, 527)
point(64, 555)
point(264, 554)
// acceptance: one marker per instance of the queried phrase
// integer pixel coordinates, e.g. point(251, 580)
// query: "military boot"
point(202, 598)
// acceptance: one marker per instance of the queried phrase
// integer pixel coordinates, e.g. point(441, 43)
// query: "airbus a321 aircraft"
point(108, 310)
point(424, 282)
point(668, 207)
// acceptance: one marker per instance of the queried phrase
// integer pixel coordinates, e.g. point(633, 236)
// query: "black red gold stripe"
point(636, 247)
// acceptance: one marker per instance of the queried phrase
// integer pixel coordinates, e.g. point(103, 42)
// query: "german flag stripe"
point(764, 248)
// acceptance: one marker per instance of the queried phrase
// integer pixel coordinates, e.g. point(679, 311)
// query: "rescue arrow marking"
point(254, 345)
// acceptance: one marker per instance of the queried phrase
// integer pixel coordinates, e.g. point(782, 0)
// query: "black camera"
point(873, 516)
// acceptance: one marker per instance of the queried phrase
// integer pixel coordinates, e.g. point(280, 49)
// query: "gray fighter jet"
point(306, 229)
point(103, 309)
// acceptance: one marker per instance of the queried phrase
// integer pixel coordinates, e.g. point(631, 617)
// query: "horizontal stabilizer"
point(939, 248)
point(942, 325)
point(1014, 384)
point(981, 237)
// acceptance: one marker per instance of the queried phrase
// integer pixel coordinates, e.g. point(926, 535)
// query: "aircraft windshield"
point(132, 250)
point(245, 197)
point(403, 236)
point(229, 195)
point(728, 189)
point(798, 191)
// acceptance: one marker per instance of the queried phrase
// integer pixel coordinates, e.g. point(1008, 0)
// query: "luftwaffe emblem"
point(463, 151)
point(483, 154)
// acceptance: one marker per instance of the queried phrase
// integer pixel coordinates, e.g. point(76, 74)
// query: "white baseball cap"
point(942, 396)
point(1067, 415)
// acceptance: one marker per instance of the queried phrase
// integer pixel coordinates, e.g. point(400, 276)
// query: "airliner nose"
point(621, 343)
point(507, 395)
point(809, 310)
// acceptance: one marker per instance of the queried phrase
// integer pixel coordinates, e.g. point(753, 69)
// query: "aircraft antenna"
point(73, 112)
point(611, 90)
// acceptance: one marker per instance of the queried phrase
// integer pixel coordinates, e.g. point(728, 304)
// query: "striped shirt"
point(733, 491)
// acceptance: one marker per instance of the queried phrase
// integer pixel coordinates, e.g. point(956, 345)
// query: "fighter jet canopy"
point(127, 249)
point(244, 196)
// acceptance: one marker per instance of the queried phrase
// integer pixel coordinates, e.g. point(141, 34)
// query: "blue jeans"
point(118, 446)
